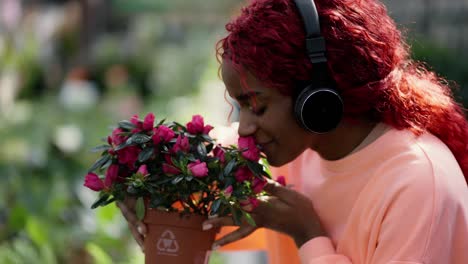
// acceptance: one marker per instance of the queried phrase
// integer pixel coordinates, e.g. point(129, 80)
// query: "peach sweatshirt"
point(399, 199)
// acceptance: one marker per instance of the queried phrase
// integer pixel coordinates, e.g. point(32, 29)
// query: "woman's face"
point(267, 115)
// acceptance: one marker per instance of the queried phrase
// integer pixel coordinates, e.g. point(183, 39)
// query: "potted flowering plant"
point(179, 172)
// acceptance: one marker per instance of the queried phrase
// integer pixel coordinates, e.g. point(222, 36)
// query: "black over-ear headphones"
point(318, 106)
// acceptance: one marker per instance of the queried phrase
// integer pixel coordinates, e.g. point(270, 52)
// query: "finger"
point(128, 213)
point(238, 234)
point(217, 222)
point(132, 219)
point(283, 193)
point(130, 202)
point(139, 238)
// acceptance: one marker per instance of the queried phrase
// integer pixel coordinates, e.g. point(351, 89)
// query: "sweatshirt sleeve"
point(320, 250)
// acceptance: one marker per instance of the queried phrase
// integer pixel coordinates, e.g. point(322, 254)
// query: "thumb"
point(283, 193)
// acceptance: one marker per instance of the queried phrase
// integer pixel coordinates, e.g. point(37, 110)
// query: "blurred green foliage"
point(45, 210)
point(45, 214)
point(447, 63)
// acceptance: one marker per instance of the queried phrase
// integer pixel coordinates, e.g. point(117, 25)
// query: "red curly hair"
point(367, 57)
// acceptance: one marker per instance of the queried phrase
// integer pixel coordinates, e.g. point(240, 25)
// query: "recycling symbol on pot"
point(167, 243)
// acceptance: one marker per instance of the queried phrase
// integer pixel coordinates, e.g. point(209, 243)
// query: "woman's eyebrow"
point(246, 96)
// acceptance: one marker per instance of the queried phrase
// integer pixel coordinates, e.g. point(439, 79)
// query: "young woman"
point(384, 182)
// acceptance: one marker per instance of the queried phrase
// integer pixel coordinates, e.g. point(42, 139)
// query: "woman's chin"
point(274, 162)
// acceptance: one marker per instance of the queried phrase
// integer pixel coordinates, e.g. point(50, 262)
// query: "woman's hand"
point(137, 228)
point(285, 210)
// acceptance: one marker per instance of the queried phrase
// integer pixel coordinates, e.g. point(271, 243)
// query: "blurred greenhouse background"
point(71, 69)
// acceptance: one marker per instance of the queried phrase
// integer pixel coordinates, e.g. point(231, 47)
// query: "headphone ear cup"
point(319, 110)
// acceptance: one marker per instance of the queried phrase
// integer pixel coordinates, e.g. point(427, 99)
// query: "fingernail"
point(212, 216)
point(215, 247)
point(207, 226)
point(140, 230)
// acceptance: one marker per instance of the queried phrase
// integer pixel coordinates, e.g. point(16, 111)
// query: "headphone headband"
point(315, 43)
point(318, 107)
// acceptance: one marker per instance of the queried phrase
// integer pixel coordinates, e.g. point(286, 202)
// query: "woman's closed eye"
point(257, 110)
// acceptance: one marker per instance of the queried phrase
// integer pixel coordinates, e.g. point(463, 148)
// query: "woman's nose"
point(247, 123)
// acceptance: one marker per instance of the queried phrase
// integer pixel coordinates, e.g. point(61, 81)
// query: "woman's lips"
point(263, 145)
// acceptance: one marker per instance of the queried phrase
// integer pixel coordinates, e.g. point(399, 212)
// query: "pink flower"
point(136, 121)
point(249, 148)
point(168, 159)
point(250, 204)
point(228, 191)
point(143, 170)
point(243, 174)
point(207, 129)
point(219, 153)
point(198, 169)
point(116, 138)
point(197, 125)
point(170, 169)
point(258, 184)
point(128, 156)
point(148, 123)
point(112, 174)
point(281, 180)
point(182, 144)
point(93, 182)
point(111, 152)
point(162, 133)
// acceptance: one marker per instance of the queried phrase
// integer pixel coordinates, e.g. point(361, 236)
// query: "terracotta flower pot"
point(172, 239)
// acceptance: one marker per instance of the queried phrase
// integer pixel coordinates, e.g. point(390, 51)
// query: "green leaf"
point(236, 216)
point(177, 179)
point(156, 202)
point(132, 190)
point(122, 146)
point(201, 149)
point(221, 176)
point(264, 173)
point(189, 135)
point(138, 139)
point(100, 201)
point(229, 167)
point(230, 181)
point(108, 201)
point(207, 138)
point(140, 208)
point(145, 154)
point(255, 167)
point(215, 206)
point(161, 181)
point(249, 219)
point(107, 164)
point(179, 125)
point(100, 162)
point(100, 148)
point(209, 147)
point(161, 122)
point(127, 125)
